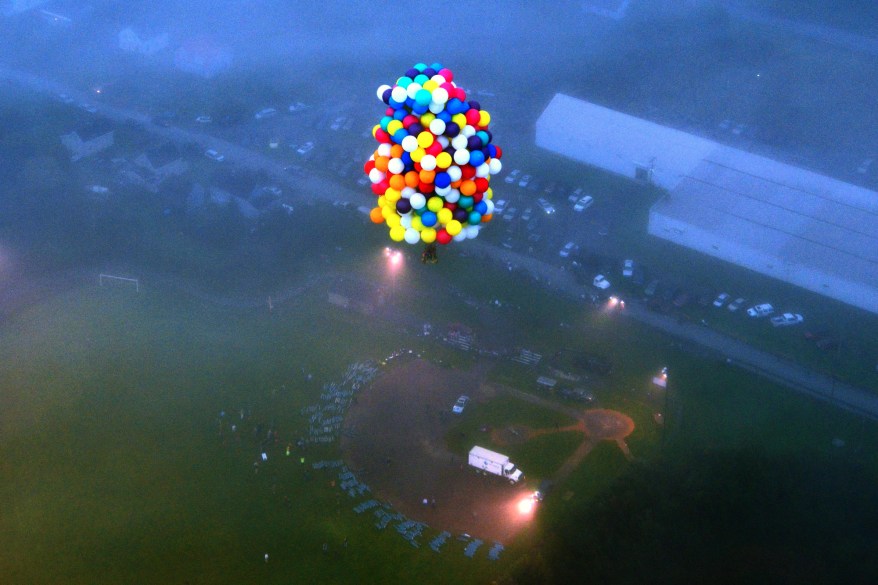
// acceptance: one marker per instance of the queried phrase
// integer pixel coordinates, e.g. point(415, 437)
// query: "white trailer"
point(494, 463)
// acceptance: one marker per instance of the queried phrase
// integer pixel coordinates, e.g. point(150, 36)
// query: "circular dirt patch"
point(394, 439)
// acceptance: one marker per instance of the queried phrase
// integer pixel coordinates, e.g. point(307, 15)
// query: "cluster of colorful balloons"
point(432, 169)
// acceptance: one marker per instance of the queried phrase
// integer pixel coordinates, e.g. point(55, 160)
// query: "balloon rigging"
point(432, 169)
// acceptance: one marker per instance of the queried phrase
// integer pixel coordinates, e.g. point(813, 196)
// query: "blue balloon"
point(436, 66)
point(481, 207)
point(384, 122)
point(429, 218)
point(484, 137)
point(476, 157)
point(492, 150)
point(444, 116)
point(399, 135)
point(475, 218)
point(406, 159)
point(400, 114)
point(454, 106)
point(442, 180)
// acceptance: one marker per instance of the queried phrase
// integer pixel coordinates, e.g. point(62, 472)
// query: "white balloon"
point(407, 192)
point(460, 237)
point(489, 204)
point(454, 173)
point(443, 140)
point(458, 142)
point(495, 165)
point(428, 162)
point(409, 144)
point(418, 200)
point(472, 231)
point(437, 127)
point(461, 156)
point(468, 131)
point(439, 79)
point(439, 95)
point(405, 220)
point(398, 94)
point(436, 108)
point(381, 91)
point(412, 236)
point(443, 191)
point(483, 170)
point(412, 89)
point(395, 166)
point(383, 149)
point(376, 176)
point(452, 196)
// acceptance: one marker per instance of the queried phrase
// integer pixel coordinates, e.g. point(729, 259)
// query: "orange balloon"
point(381, 163)
point(467, 187)
point(428, 176)
point(455, 184)
point(376, 216)
point(396, 151)
point(487, 218)
point(412, 179)
point(397, 182)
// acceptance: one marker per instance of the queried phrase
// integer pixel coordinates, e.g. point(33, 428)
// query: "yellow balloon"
point(418, 154)
point(393, 220)
point(382, 202)
point(426, 118)
point(453, 228)
point(393, 126)
point(416, 222)
point(375, 129)
point(428, 235)
point(484, 118)
point(443, 160)
point(397, 233)
point(434, 204)
point(459, 119)
point(430, 85)
point(444, 215)
point(425, 139)
point(392, 195)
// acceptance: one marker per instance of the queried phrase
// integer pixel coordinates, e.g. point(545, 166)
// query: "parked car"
point(499, 206)
point(528, 213)
point(736, 304)
point(651, 288)
point(575, 196)
point(214, 155)
point(601, 282)
point(568, 248)
point(762, 310)
point(721, 300)
point(512, 176)
point(524, 181)
point(460, 404)
point(547, 207)
point(786, 319)
point(265, 113)
point(338, 123)
point(510, 214)
point(583, 203)
point(628, 268)
point(305, 148)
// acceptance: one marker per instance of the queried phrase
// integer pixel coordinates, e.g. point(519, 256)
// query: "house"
point(88, 140)
point(162, 162)
point(131, 42)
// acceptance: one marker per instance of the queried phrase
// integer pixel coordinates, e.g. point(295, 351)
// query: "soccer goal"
point(111, 280)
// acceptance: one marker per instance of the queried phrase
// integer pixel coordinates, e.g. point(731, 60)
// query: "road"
point(742, 355)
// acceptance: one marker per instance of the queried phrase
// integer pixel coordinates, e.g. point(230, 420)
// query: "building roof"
point(160, 156)
point(94, 129)
point(793, 224)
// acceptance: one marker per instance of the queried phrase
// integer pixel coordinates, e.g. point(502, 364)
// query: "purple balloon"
point(385, 97)
point(429, 72)
point(473, 143)
point(403, 206)
point(459, 214)
point(452, 129)
point(412, 73)
point(474, 105)
point(415, 129)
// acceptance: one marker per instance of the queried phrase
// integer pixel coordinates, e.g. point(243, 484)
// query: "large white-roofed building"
point(789, 223)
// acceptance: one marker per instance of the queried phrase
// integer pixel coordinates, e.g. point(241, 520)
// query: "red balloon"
point(443, 237)
point(378, 189)
point(367, 168)
point(434, 148)
point(425, 188)
point(478, 196)
point(499, 152)
point(409, 120)
point(389, 111)
point(472, 117)
point(481, 184)
point(382, 136)
point(450, 205)
point(467, 172)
